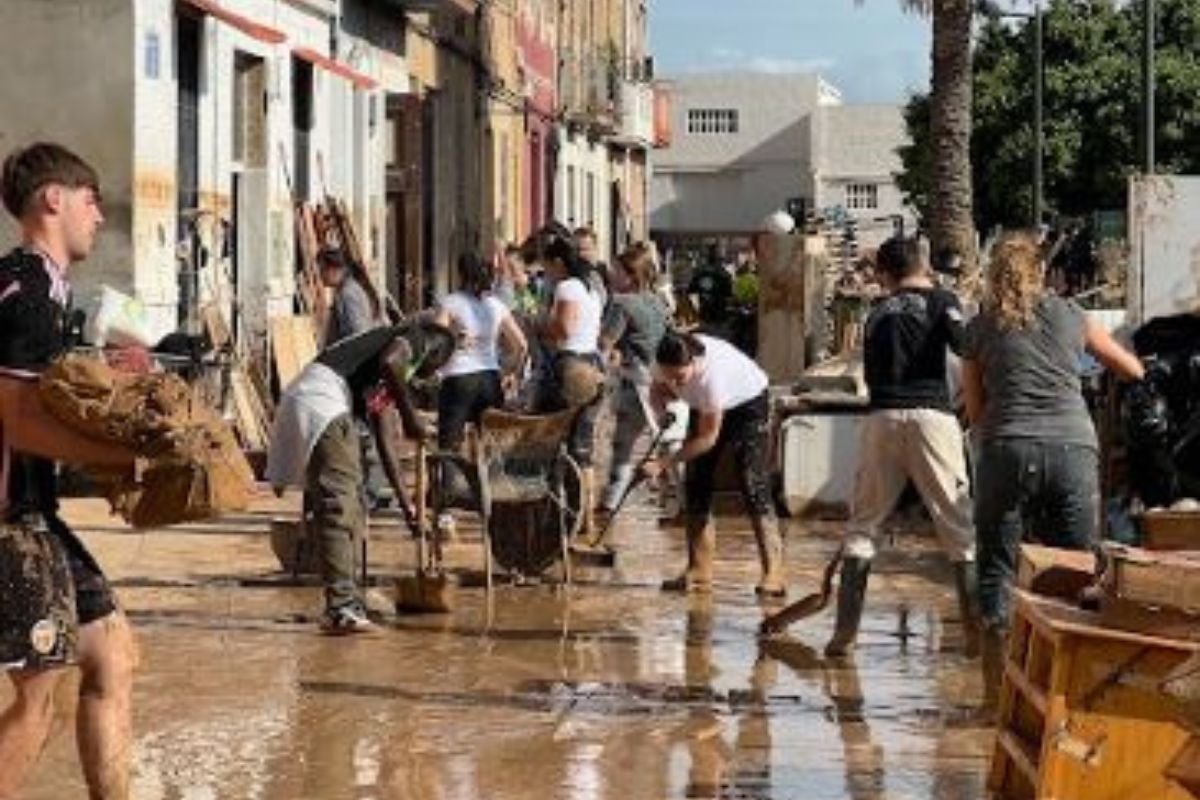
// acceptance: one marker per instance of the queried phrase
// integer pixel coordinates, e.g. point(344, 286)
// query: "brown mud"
point(611, 689)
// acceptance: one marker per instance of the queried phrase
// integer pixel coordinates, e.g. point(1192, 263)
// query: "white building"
point(216, 111)
point(746, 144)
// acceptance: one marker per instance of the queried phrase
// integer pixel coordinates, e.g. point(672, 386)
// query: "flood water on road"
point(609, 690)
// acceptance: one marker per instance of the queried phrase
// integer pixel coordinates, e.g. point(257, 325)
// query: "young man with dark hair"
point(911, 433)
point(56, 607)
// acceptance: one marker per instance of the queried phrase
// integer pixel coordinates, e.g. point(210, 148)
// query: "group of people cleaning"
point(488, 341)
point(1033, 468)
point(1035, 452)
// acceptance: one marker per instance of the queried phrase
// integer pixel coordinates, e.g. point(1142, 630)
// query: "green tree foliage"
point(1092, 109)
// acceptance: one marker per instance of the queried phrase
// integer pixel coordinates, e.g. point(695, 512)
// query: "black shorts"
point(49, 586)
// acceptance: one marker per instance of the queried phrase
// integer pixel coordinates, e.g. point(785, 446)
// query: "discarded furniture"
point(1083, 715)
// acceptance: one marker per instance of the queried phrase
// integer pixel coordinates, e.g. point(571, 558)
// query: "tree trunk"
point(951, 224)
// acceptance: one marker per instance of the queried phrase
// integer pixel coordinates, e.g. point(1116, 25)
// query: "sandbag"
point(190, 466)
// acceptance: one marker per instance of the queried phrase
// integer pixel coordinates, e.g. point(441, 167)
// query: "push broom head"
point(425, 593)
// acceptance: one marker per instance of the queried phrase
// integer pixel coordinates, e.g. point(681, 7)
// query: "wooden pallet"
point(1082, 714)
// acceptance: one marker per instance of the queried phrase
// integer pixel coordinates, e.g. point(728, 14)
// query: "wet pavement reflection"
point(608, 690)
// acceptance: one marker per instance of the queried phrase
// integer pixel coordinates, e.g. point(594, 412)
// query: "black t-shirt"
point(714, 286)
point(907, 335)
point(32, 334)
point(358, 360)
point(32, 323)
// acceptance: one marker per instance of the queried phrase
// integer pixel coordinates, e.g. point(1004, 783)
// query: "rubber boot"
point(993, 640)
point(770, 557)
point(852, 591)
point(966, 582)
point(702, 549)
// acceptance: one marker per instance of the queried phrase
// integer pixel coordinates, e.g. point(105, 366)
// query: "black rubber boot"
point(852, 591)
point(993, 641)
point(966, 582)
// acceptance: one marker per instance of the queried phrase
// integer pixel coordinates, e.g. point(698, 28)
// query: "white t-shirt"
point(477, 321)
point(314, 399)
point(585, 339)
point(724, 378)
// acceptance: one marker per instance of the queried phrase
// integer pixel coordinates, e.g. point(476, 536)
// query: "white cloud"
point(727, 54)
point(786, 65)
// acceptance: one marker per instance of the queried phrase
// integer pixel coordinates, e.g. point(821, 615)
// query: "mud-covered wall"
point(68, 66)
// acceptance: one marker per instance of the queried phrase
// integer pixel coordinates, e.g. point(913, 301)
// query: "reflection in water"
point(862, 758)
point(608, 692)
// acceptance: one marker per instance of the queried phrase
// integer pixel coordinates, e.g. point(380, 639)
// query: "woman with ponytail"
point(1037, 456)
point(573, 330)
point(727, 394)
point(471, 378)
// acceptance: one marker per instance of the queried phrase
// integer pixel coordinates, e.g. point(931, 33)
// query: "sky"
point(873, 52)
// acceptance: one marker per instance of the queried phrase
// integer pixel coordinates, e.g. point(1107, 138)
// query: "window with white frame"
point(860, 196)
point(712, 120)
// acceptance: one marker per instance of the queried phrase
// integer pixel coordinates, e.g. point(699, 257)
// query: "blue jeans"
point(1030, 490)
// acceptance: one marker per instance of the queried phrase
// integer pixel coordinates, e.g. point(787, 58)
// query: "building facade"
point(748, 144)
point(606, 119)
point(444, 126)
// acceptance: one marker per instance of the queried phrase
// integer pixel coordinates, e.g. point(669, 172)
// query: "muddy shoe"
point(771, 589)
point(346, 621)
point(686, 583)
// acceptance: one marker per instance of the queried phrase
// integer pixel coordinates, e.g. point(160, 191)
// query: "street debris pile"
point(190, 466)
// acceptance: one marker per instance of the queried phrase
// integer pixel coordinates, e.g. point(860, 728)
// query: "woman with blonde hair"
point(634, 324)
point(1036, 451)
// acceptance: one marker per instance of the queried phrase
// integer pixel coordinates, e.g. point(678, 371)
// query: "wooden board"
point(1052, 572)
point(1170, 530)
point(293, 346)
point(1153, 578)
point(249, 417)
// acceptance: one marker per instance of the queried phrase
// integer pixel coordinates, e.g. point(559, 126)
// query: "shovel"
point(596, 551)
point(806, 606)
point(429, 590)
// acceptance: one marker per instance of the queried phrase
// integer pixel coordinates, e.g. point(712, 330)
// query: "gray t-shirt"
point(636, 322)
point(1031, 376)
point(350, 313)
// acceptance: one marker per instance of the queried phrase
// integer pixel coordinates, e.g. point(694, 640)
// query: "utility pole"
point(1148, 88)
point(1039, 134)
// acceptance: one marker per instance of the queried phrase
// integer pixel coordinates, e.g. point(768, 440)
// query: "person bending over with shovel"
point(314, 445)
point(911, 433)
point(727, 394)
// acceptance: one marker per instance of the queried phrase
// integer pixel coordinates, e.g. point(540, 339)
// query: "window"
point(712, 120)
point(862, 196)
point(570, 195)
point(249, 110)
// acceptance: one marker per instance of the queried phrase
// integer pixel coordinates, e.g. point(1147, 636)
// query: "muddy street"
point(609, 690)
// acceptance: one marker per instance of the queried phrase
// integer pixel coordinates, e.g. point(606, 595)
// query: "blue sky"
point(873, 52)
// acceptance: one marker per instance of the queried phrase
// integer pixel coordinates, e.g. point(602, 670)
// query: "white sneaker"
point(346, 620)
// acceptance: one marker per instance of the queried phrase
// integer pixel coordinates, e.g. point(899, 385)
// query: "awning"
point(254, 30)
point(336, 67)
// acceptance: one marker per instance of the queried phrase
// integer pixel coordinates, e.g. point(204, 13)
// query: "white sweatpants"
point(925, 446)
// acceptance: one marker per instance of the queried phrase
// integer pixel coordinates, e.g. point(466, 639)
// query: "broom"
point(596, 551)
point(429, 589)
point(806, 606)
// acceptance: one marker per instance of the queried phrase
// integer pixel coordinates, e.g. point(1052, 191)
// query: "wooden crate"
point(1052, 572)
point(1082, 715)
point(1150, 578)
point(1170, 530)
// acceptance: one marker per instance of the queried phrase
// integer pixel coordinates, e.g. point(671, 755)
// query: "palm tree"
point(951, 223)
